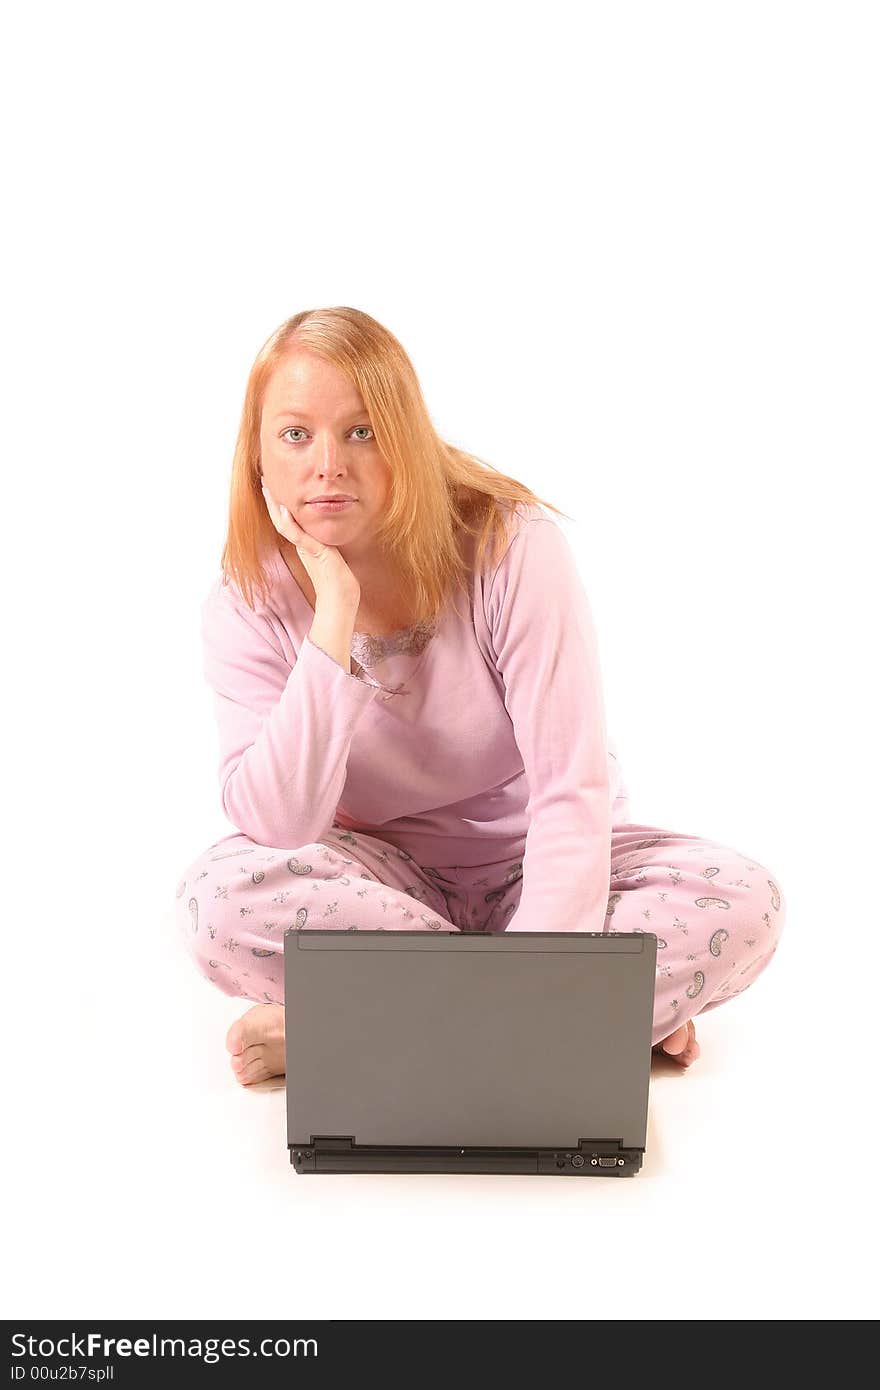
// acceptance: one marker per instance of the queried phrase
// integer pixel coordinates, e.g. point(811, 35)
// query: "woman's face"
point(316, 439)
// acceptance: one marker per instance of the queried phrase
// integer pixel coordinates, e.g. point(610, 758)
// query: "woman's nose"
point(328, 455)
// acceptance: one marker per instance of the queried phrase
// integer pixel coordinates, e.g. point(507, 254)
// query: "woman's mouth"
point(330, 507)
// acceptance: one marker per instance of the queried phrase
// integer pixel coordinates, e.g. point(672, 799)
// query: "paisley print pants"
point(717, 914)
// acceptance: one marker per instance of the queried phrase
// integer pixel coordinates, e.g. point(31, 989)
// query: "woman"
point(406, 682)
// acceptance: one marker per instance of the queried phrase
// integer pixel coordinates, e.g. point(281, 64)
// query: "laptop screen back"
point(416, 1038)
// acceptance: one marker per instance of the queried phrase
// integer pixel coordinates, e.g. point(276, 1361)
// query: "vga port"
point(607, 1162)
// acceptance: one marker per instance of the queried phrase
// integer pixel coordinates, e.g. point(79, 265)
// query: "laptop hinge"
point(335, 1153)
point(599, 1146)
point(593, 1147)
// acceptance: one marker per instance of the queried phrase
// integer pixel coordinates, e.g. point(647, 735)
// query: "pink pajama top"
point(475, 739)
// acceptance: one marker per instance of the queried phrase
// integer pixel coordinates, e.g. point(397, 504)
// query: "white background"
point(632, 252)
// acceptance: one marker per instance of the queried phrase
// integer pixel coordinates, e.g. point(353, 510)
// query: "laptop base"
point(591, 1158)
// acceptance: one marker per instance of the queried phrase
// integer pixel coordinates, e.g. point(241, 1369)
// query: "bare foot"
point(681, 1046)
point(256, 1041)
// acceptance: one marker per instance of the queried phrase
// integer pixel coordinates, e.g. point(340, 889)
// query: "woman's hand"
point(333, 581)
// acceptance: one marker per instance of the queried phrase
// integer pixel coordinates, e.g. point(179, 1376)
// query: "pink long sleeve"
point(284, 732)
point(546, 650)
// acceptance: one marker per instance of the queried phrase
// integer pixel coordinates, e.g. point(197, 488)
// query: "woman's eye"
point(295, 429)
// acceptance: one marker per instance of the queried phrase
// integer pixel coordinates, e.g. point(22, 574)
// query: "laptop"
point(468, 1052)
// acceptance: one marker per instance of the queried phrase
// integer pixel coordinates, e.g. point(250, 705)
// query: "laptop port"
point(607, 1162)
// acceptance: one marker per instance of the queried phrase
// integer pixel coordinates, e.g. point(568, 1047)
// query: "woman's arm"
point(284, 732)
point(546, 651)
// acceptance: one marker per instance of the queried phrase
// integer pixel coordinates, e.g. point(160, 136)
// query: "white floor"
point(146, 1182)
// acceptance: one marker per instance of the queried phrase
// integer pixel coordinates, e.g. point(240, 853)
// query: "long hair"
point(438, 494)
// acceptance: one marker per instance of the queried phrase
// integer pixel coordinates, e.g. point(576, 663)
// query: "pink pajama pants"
point(717, 914)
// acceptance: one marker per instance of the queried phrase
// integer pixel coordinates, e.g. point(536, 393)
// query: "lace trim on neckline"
point(369, 650)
